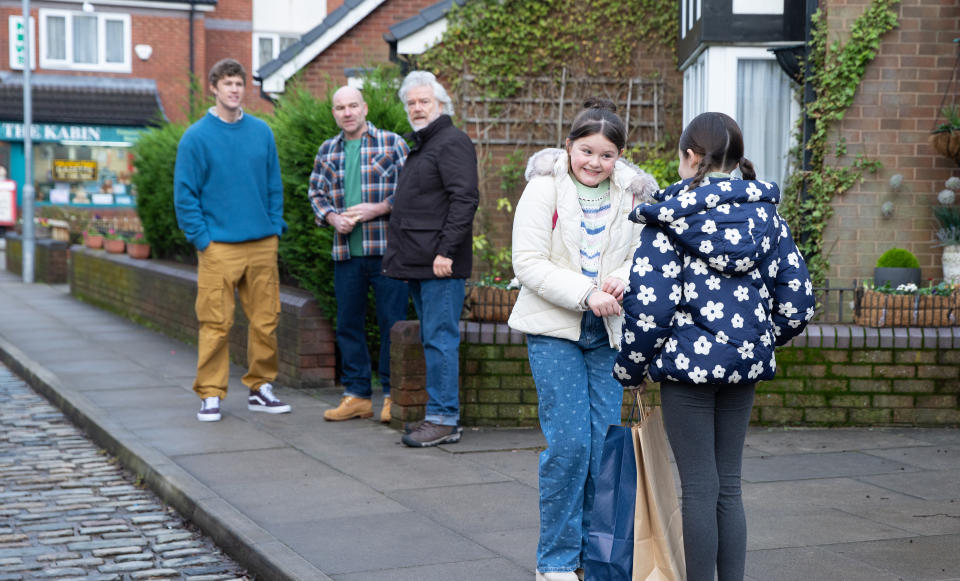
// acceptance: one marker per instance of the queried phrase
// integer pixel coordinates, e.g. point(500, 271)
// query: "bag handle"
point(638, 411)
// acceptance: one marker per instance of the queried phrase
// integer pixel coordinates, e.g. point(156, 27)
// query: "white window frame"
point(101, 65)
point(275, 37)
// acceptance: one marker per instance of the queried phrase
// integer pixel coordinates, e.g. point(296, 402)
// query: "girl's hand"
point(603, 304)
point(614, 287)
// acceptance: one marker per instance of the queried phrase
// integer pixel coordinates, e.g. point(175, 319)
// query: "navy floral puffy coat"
point(716, 283)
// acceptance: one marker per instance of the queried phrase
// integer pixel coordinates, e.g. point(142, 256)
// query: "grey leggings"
point(706, 426)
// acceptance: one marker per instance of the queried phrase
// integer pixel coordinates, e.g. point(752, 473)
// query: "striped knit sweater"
point(595, 203)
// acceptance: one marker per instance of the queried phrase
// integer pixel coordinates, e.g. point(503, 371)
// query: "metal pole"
point(29, 241)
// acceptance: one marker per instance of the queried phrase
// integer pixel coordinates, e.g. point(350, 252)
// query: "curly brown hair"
point(226, 68)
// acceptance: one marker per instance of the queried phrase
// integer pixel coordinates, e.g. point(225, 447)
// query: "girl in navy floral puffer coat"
point(716, 283)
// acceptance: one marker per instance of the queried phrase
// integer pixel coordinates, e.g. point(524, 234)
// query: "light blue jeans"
point(707, 426)
point(578, 400)
point(438, 303)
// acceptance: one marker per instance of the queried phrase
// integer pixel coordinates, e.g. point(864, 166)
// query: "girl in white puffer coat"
point(572, 249)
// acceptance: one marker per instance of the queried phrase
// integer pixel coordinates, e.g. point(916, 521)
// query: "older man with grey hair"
point(429, 245)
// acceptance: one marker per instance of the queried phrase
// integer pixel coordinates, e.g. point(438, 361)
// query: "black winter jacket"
point(433, 207)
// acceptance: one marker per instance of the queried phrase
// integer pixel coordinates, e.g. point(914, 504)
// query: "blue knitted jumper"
point(227, 184)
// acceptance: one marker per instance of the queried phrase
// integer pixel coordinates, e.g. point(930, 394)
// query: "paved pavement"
point(294, 497)
point(71, 512)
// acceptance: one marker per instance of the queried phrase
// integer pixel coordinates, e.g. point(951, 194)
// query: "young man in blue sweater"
point(229, 203)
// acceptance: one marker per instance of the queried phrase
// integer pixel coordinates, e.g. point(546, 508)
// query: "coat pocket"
point(420, 239)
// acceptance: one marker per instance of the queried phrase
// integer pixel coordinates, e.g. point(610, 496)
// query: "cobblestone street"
point(69, 511)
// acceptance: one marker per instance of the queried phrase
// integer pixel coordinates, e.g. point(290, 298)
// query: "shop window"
point(84, 41)
point(83, 175)
point(268, 46)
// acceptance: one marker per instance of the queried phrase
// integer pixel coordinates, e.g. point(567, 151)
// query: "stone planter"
point(139, 251)
point(94, 242)
point(114, 246)
point(951, 263)
point(895, 276)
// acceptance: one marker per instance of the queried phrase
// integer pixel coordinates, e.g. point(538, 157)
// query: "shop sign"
point(85, 133)
point(72, 170)
point(18, 43)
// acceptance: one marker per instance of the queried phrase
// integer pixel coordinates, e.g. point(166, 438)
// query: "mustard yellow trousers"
point(248, 269)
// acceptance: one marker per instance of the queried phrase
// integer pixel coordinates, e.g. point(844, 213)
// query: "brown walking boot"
point(385, 412)
point(350, 407)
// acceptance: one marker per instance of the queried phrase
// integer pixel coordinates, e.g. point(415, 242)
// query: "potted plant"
point(895, 267)
point(492, 296)
point(945, 138)
point(948, 233)
point(92, 237)
point(137, 246)
point(908, 305)
point(113, 242)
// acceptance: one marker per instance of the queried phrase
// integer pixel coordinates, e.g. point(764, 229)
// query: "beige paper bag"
point(658, 524)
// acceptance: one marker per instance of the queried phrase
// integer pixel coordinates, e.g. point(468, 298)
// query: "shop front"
point(73, 165)
point(83, 132)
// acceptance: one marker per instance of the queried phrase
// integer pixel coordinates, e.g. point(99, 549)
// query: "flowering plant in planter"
point(908, 305)
point(137, 246)
point(947, 214)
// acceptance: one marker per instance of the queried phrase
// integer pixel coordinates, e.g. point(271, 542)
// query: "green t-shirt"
point(351, 190)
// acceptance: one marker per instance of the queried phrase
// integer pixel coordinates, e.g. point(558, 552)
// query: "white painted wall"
point(288, 16)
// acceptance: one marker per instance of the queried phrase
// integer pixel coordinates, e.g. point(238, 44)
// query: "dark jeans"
point(706, 426)
point(438, 302)
point(351, 280)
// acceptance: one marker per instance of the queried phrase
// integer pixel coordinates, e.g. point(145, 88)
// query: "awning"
point(82, 100)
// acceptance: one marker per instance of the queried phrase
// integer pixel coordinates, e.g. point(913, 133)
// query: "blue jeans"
point(578, 400)
point(707, 426)
point(439, 302)
point(351, 280)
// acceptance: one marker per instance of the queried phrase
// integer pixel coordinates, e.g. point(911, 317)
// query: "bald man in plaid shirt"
point(351, 189)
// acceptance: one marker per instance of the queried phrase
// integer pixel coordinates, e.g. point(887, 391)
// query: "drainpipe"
point(809, 96)
point(193, 74)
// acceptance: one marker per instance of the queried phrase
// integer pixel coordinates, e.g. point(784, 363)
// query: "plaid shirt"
point(382, 154)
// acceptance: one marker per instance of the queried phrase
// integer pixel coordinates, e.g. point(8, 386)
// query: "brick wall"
point(895, 108)
point(161, 295)
point(50, 259)
point(830, 375)
point(362, 46)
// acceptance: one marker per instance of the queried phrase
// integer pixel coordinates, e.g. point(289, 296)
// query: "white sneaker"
point(557, 576)
point(263, 400)
point(209, 409)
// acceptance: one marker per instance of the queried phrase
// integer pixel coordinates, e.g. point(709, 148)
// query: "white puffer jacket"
point(546, 259)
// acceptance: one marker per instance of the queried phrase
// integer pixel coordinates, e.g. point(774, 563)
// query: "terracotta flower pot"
point(140, 251)
point(114, 246)
point(93, 241)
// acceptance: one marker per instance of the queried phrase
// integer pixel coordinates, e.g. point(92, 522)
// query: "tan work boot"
point(385, 412)
point(350, 407)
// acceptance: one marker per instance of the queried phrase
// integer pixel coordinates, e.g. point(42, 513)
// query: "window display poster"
point(73, 170)
point(8, 202)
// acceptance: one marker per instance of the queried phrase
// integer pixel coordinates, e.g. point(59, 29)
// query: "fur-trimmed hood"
point(630, 178)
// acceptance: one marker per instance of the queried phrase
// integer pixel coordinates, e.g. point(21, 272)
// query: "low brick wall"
point(830, 375)
point(50, 258)
point(161, 295)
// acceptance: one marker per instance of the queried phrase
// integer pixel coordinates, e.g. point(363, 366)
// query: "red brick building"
point(728, 66)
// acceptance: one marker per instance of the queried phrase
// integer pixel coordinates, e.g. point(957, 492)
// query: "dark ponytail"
point(599, 116)
point(718, 140)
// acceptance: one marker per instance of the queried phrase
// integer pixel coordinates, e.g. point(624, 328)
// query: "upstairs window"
point(84, 41)
point(268, 46)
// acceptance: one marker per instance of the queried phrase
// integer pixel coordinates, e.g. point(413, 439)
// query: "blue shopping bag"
point(609, 554)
